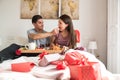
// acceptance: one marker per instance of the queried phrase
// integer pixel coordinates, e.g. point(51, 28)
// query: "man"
point(37, 35)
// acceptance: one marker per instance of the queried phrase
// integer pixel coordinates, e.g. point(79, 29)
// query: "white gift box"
point(49, 58)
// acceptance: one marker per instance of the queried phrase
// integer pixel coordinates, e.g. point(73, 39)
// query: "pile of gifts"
point(79, 66)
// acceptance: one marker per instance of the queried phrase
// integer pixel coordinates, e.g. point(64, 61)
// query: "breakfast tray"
point(39, 51)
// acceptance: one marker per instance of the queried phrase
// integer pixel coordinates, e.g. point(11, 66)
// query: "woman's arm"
point(52, 39)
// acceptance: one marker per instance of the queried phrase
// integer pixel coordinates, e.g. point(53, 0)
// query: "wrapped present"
point(22, 67)
point(46, 59)
point(91, 71)
point(61, 65)
point(70, 58)
point(75, 58)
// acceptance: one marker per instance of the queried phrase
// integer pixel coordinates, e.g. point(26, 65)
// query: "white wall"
point(92, 24)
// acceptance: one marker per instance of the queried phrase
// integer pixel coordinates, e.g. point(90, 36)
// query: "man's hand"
point(55, 31)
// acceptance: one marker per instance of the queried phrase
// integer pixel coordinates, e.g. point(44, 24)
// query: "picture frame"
point(71, 8)
point(29, 8)
point(49, 9)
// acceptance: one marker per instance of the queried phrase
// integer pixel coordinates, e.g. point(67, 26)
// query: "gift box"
point(91, 71)
point(22, 67)
point(75, 58)
point(46, 59)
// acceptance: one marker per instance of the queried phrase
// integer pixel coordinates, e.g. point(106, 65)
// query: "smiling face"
point(61, 25)
point(39, 25)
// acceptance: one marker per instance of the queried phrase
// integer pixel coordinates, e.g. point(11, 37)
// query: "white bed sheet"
point(37, 73)
point(42, 73)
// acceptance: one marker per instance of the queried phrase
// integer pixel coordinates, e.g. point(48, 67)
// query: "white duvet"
point(37, 73)
point(42, 73)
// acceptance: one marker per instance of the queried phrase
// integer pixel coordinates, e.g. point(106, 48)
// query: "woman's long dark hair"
point(67, 20)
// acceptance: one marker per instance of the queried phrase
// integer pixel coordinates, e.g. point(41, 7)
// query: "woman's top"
point(62, 41)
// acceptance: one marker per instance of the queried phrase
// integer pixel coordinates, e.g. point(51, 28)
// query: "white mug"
point(31, 46)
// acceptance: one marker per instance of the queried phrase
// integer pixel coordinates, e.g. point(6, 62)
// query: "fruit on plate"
point(55, 47)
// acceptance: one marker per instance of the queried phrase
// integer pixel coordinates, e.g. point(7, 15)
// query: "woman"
point(66, 36)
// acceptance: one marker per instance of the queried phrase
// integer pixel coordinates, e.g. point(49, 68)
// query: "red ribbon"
point(61, 66)
point(18, 52)
point(42, 54)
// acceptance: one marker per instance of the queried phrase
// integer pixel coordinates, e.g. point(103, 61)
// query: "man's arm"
point(42, 35)
point(39, 35)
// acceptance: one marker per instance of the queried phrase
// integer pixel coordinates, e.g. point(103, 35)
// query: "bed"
point(46, 73)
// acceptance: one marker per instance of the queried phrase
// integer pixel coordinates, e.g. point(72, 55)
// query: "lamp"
point(92, 46)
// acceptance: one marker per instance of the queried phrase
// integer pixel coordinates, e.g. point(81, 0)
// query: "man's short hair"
point(35, 18)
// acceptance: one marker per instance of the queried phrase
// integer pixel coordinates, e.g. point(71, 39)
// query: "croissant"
point(55, 47)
